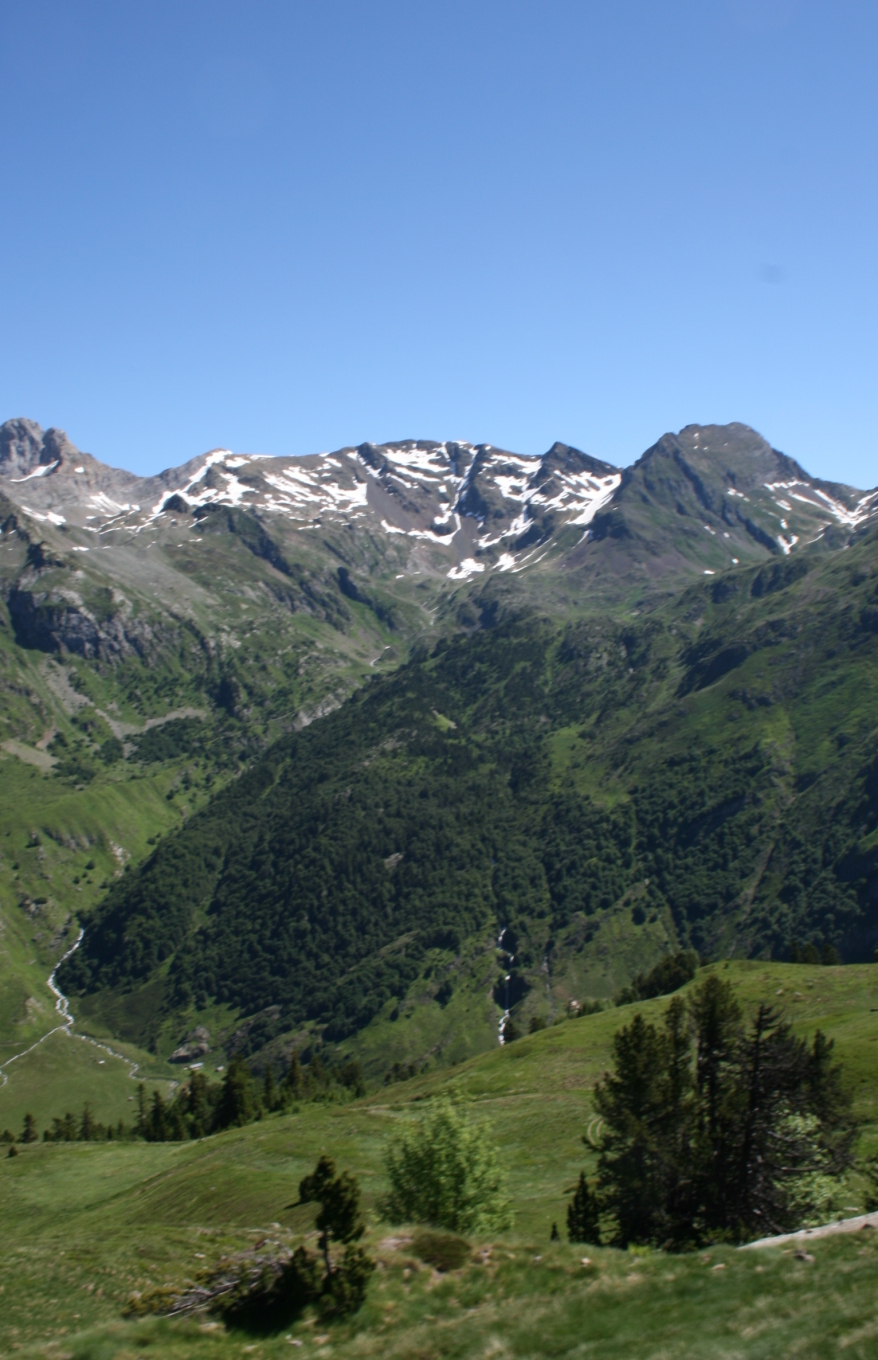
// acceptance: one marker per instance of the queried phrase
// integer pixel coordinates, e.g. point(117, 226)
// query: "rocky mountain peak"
point(25, 448)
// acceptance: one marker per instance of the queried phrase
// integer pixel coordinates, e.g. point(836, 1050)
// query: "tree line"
point(201, 1107)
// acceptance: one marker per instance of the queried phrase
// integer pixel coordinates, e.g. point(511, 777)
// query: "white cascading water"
point(62, 1006)
point(510, 959)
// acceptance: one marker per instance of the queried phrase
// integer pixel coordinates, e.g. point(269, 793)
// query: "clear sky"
point(283, 227)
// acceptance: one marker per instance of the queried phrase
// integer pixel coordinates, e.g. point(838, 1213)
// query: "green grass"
point(89, 1224)
point(523, 1300)
point(64, 1071)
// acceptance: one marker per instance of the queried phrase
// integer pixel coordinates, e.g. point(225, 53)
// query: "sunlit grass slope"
point(88, 1224)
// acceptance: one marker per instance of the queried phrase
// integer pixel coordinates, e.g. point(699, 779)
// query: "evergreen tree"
point(269, 1093)
point(29, 1132)
point(312, 1186)
point(142, 1110)
point(716, 1016)
point(631, 1101)
point(176, 1128)
point(157, 1126)
point(339, 1221)
point(236, 1106)
point(738, 1135)
point(582, 1215)
point(62, 1131)
point(293, 1081)
point(87, 1126)
point(199, 1113)
point(339, 1217)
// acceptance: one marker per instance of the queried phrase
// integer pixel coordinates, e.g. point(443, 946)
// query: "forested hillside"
point(705, 774)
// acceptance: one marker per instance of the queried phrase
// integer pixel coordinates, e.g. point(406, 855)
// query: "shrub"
point(446, 1172)
point(442, 1251)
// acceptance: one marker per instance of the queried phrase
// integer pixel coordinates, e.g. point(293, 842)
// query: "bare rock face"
point(25, 447)
point(196, 1044)
point(55, 621)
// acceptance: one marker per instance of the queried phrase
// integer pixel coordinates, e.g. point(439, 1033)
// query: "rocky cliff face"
point(58, 620)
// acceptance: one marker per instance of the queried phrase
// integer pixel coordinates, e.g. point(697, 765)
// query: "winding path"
point(62, 1006)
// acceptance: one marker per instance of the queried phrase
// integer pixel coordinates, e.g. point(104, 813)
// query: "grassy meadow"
point(89, 1224)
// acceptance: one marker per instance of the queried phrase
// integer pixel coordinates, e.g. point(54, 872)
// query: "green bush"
point(445, 1171)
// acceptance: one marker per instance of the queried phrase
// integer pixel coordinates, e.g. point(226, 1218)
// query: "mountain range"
point(605, 713)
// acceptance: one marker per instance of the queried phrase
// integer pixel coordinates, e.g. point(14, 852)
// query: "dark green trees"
point(717, 1130)
point(583, 1215)
point(334, 1282)
point(237, 1105)
point(340, 1223)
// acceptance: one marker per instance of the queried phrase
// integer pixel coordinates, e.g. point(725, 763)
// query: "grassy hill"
point(91, 1223)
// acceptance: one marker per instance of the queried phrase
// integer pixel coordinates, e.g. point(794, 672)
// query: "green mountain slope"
point(703, 774)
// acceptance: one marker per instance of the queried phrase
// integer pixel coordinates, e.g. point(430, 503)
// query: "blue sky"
point(284, 227)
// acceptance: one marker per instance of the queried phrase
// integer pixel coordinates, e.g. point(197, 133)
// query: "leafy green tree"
point(583, 1216)
point(446, 1172)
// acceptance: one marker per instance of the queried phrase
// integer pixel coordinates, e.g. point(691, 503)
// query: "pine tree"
point(582, 1215)
point(339, 1218)
point(157, 1120)
point(269, 1093)
point(87, 1128)
point(741, 1136)
point(339, 1221)
point(312, 1186)
point(29, 1132)
point(142, 1113)
point(198, 1111)
point(236, 1106)
point(293, 1083)
point(630, 1099)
